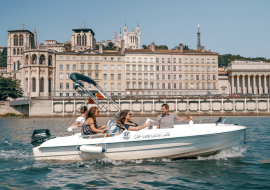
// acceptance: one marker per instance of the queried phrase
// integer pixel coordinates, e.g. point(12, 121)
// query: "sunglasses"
point(130, 114)
point(97, 111)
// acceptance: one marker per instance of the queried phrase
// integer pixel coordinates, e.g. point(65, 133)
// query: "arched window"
point(15, 40)
point(26, 60)
point(50, 85)
point(42, 60)
point(18, 66)
point(18, 51)
point(14, 65)
point(84, 38)
point(50, 60)
point(26, 84)
point(79, 40)
point(21, 50)
point(34, 85)
point(21, 40)
point(14, 51)
point(42, 85)
point(34, 59)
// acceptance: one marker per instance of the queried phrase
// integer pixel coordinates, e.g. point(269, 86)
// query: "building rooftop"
point(84, 30)
point(14, 31)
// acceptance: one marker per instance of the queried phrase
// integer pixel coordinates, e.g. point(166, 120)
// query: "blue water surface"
point(239, 167)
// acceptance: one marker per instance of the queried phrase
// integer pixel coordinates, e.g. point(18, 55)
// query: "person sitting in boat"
point(166, 119)
point(124, 119)
point(90, 126)
point(80, 120)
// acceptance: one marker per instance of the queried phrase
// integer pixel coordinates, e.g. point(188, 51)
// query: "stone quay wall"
point(62, 107)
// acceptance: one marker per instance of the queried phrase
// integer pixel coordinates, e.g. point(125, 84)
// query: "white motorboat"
point(190, 140)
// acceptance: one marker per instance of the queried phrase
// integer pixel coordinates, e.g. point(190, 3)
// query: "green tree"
point(68, 45)
point(110, 46)
point(10, 87)
point(3, 58)
point(185, 47)
point(144, 46)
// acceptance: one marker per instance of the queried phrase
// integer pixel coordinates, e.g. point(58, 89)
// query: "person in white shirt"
point(80, 120)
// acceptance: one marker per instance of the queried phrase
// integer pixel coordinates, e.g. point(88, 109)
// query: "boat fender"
point(190, 123)
point(74, 129)
point(91, 149)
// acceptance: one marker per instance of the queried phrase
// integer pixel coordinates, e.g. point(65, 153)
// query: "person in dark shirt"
point(124, 119)
point(90, 126)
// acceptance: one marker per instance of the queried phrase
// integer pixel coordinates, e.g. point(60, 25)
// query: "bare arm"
point(76, 123)
point(158, 126)
point(91, 122)
point(131, 128)
point(184, 118)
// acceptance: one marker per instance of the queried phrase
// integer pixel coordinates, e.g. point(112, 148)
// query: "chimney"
point(122, 46)
point(101, 48)
point(181, 48)
point(153, 46)
point(176, 48)
point(202, 49)
point(149, 47)
point(209, 50)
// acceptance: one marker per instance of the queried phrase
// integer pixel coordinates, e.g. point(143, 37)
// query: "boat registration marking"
point(155, 135)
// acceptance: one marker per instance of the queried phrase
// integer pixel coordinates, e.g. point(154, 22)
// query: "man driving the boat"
point(80, 120)
point(166, 119)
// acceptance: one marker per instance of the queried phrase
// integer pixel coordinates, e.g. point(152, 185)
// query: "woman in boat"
point(124, 119)
point(90, 126)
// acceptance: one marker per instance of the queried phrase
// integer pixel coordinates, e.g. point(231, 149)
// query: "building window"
point(157, 60)
point(145, 68)
point(191, 68)
point(169, 85)
point(168, 60)
point(203, 68)
point(186, 68)
point(89, 58)
point(202, 60)
point(112, 58)
point(112, 76)
point(67, 75)
point(197, 77)
point(192, 85)
point(133, 59)
point(50, 85)
point(21, 40)
point(214, 77)
point(180, 85)
point(145, 85)
point(61, 76)
point(14, 51)
point(191, 60)
point(119, 58)
point(96, 58)
point(139, 59)
point(112, 67)
point(180, 68)
point(119, 76)
point(180, 60)
point(163, 77)
point(163, 60)
point(140, 85)
point(191, 77)
point(163, 86)
point(151, 67)
point(104, 58)
point(67, 94)
point(134, 76)
point(67, 67)
point(18, 51)
point(169, 77)
point(140, 76)
point(174, 68)
point(214, 85)
point(197, 60)
point(73, 58)
point(145, 76)
point(133, 67)
point(139, 67)
point(61, 94)
point(157, 68)
point(128, 59)
point(74, 67)
point(61, 86)
point(104, 76)
point(67, 58)
point(151, 60)
point(157, 85)
point(186, 85)
point(18, 65)
point(96, 75)
point(214, 69)
point(186, 60)
point(67, 86)
point(163, 68)
point(151, 76)
point(119, 68)
point(128, 67)
point(74, 94)
point(209, 85)
point(128, 76)
point(79, 40)
point(89, 75)
point(119, 86)
point(89, 86)
point(145, 60)
point(96, 67)
point(128, 85)
point(197, 85)
point(208, 60)
point(61, 57)
point(180, 77)
point(174, 60)
point(213, 60)
point(82, 67)
point(89, 67)
point(203, 77)
point(169, 68)
point(15, 40)
point(186, 77)
point(208, 69)
point(134, 85)
point(105, 86)
point(41, 85)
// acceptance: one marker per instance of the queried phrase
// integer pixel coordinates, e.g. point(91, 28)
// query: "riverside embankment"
point(208, 106)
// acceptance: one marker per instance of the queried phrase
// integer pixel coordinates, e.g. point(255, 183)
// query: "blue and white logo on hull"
point(126, 135)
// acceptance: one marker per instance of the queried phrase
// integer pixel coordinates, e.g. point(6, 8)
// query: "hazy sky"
point(227, 26)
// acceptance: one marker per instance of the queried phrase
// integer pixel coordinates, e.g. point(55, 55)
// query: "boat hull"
point(163, 143)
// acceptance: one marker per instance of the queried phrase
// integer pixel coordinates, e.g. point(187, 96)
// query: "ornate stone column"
point(260, 84)
point(238, 85)
point(46, 80)
point(254, 84)
point(243, 84)
point(38, 81)
point(265, 86)
point(248, 88)
point(232, 81)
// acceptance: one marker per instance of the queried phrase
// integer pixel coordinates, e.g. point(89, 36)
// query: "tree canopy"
point(3, 58)
point(224, 60)
point(10, 87)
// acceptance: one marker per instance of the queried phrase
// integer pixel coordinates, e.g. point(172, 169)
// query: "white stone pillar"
point(243, 84)
point(38, 81)
point(238, 85)
point(265, 86)
point(260, 84)
point(232, 81)
point(254, 84)
point(248, 88)
point(46, 79)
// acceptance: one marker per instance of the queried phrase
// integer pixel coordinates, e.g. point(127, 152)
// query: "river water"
point(240, 167)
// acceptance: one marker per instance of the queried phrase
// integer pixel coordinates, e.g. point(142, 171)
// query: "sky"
point(227, 26)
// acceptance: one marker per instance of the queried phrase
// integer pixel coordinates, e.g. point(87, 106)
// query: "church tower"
point(114, 37)
point(198, 37)
point(120, 36)
point(125, 32)
point(138, 30)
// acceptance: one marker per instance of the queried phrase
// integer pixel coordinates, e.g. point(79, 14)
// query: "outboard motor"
point(39, 136)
